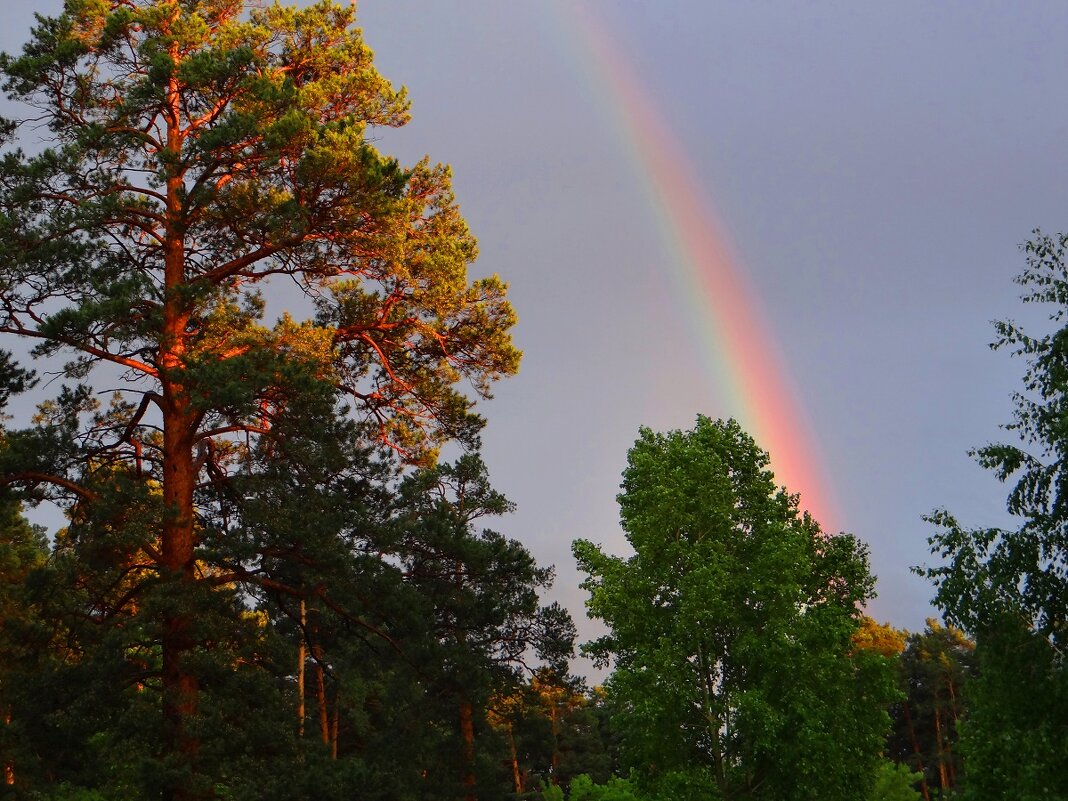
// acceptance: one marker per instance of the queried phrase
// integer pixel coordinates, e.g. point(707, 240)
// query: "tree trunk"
point(178, 568)
point(467, 734)
point(334, 721)
point(180, 687)
point(916, 750)
point(9, 767)
point(320, 680)
point(713, 723)
point(942, 777)
point(555, 729)
point(302, 658)
point(949, 748)
point(517, 777)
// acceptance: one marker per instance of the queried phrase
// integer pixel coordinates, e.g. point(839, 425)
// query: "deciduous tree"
point(1008, 587)
point(730, 629)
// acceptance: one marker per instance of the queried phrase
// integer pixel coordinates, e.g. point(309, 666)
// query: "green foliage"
point(1009, 587)
point(1014, 740)
point(730, 629)
point(477, 597)
point(583, 788)
point(894, 782)
point(65, 792)
point(13, 379)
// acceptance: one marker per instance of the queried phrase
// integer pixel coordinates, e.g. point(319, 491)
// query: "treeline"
point(271, 584)
point(376, 663)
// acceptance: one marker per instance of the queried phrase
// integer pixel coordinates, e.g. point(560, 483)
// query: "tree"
point(479, 594)
point(553, 730)
point(934, 670)
point(1009, 587)
point(730, 629)
point(882, 638)
point(195, 153)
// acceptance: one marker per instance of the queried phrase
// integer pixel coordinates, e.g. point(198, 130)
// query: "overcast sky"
point(876, 166)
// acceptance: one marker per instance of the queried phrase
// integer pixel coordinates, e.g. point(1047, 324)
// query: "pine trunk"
point(517, 777)
point(942, 777)
point(9, 767)
point(467, 734)
point(555, 763)
point(334, 723)
point(324, 715)
point(180, 686)
point(916, 750)
point(302, 658)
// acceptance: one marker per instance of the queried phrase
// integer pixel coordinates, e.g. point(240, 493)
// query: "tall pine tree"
point(195, 152)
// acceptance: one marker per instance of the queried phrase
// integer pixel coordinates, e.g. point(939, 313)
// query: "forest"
point(278, 577)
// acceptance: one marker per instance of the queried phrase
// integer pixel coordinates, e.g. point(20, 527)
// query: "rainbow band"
point(724, 315)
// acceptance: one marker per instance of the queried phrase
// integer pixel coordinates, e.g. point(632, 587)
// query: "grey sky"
point(877, 166)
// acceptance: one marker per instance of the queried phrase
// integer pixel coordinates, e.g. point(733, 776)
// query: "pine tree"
point(194, 154)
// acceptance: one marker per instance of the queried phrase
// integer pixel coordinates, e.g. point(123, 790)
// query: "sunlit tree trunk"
point(320, 681)
point(302, 658)
point(942, 777)
point(517, 777)
point(180, 687)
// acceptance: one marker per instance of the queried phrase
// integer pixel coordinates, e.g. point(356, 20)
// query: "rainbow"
point(736, 342)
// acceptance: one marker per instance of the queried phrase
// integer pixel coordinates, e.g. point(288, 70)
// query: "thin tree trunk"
point(714, 724)
point(9, 767)
point(942, 777)
point(334, 723)
point(949, 747)
point(467, 734)
point(302, 658)
point(916, 749)
point(517, 777)
point(555, 728)
point(320, 679)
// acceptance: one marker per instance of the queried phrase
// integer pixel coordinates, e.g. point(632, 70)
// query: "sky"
point(865, 173)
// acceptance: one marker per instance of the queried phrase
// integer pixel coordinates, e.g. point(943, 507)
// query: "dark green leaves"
point(730, 628)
